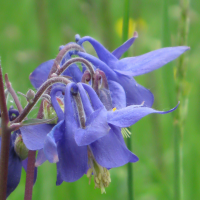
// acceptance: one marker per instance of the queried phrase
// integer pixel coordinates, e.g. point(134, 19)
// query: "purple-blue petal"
point(96, 127)
point(118, 95)
point(41, 158)
point(14, 167)
point(124, 47)
point(96, 103)
point(41, 73)
point(85, 100)
point(148, 62)
point(109, 152)
point(101, 51)
point(56, 106)
point(59, 179)
point(34, 136)
point(104, 96)
point(98, 64)
point(74, 72)
point(72, 158)
point(135, 93)
point(50, 146)
point(14, 172)
point(130, 115)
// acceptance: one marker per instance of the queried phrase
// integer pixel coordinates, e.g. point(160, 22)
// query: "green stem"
point(182, 95)
point(124, 38)
point(130, 174)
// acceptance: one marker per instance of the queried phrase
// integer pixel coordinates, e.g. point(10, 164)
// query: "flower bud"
point(20, 148)
point(30, 95)
point(49, 112)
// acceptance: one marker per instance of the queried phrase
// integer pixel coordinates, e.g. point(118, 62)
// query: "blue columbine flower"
point(120, 72)
point(73, 146)
point(87, 137)
point(87, 133)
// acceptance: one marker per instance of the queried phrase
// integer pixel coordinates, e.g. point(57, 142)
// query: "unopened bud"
point(30, 95)
point(20, 148)
point(49, 112)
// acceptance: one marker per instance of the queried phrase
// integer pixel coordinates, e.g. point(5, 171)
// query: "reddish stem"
point(31, 165)
point(30, 175)
point(5, 141)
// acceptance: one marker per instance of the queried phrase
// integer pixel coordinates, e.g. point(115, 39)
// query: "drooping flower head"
point(98, 104)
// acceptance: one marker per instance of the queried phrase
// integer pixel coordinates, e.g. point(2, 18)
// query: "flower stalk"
point(62, 53)
point(182, 94)
point(5, 141)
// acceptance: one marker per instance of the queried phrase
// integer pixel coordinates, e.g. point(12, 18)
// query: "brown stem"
point(13, 94)
point(5, 141)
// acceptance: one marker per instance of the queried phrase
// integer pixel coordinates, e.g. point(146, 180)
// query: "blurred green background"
point(31, 32)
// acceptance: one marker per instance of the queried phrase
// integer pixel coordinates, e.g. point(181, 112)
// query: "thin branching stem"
point(13, 94)
point(38, 95)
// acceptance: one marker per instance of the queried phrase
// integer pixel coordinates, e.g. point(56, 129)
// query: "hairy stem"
point(39, 93)
point(61, 54)
point(75, 60)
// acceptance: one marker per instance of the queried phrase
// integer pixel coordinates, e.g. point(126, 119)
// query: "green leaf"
point(29, 122)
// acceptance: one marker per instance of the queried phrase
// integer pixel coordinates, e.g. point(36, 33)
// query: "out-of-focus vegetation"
point(31, 32)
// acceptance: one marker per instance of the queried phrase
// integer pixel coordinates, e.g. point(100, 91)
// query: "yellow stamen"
point(114, 109)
